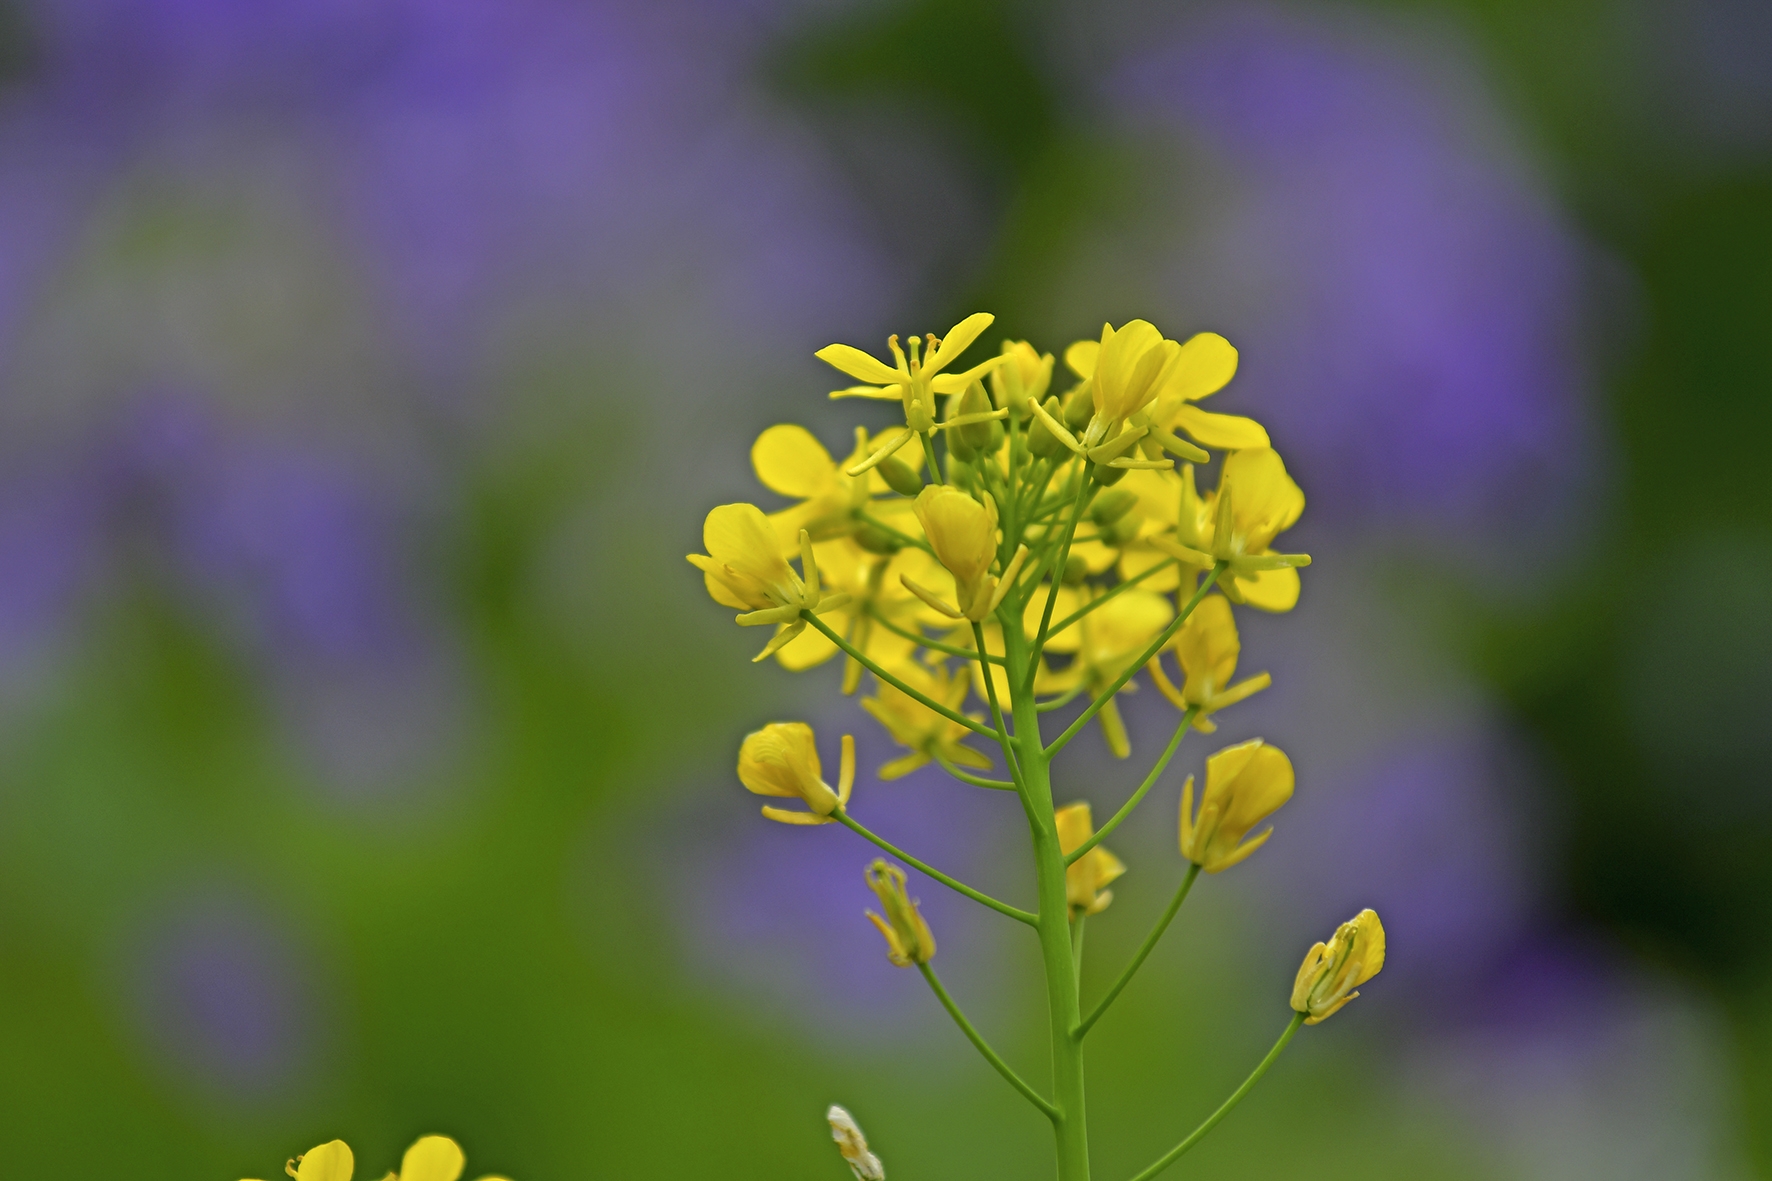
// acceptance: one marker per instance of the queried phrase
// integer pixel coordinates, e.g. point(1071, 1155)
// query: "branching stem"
point(1144, 950)
point(984, 1047)
point(847, 821)
point(951, 715)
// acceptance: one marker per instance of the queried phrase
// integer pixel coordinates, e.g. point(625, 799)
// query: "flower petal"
point(791, 461)
point(957, 341)
point(856, 363)
point(331, 1161)
point(1205, 365)
point(1227, 432)
point(432, 1158)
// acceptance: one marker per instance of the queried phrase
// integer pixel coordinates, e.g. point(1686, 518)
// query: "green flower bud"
point(899, 477)
point(1079, 408)
point(976, 401)
point(1075, 570)
point(1110, 508)
point(876, 540)
point(1042, 442)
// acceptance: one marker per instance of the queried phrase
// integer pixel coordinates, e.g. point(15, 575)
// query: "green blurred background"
point(365, 743)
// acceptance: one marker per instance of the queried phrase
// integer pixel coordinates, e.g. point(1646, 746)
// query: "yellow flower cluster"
point(909, 548)
point(431, 1158)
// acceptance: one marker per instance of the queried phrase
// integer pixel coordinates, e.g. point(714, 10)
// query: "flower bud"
point(876, 540)
point(908, 938)
point(1075, 570)
point(1106, 476)
point(781, 759)
point(1042, 443)
point(899, 477)
point(1245, 784)
point(974, 401)
point(1111, 507)
point(1025, 375)
point(1332, 971)
point(1079, 408)
point(963, 534)
point(853, 1146)
point(1086, 879)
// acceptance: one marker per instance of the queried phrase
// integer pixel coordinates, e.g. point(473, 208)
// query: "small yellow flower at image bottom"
point(431, 1158)
point(1332, 971)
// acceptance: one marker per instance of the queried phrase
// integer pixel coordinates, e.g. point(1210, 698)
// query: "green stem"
point(926, 642)
point(1070, 1129)
point(990, 689)
point(1145, 949)
point(984, 1047)
point(847, 821)
point(1124, 584)
point(1063, 700)
point(1056, 569)
point(1077, 945)
point(974, 780)
point(1194, 1137)
point(1150, 780)
point(950, 714)
point(1156, 646)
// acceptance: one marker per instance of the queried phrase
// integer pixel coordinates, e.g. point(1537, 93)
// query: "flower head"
point(853, 1146)
point(908, 937)
point(1255, 502)
point(1207, 647)
point(927, 734)
point(1245, 784)
point(1087, 878)
point(744, 569)
point(781, 759)
point(914, 379)
point(1332, 971)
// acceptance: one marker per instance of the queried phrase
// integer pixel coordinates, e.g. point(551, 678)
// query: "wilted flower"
point(854, 1146)
point(1245, 784)
point(908, 937)
point(1332, 971)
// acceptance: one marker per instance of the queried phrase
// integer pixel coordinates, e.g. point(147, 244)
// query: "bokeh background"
point(366, 367)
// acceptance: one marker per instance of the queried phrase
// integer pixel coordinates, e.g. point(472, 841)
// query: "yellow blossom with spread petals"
point(928, 735)
point(789, 460)
point(781, 759)
point(1245, 784)
point(1087, 878)
point(744, 569)
point(914, 379)
point(1332, 971)
point(908, 937)
point(1255, 501)
point(1207, 648)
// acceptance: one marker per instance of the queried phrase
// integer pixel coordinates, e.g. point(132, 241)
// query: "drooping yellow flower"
point(1107, 641)
point(853, 1146)
point(1245, 784)
point(908, 937)
point(1332, 971)
point(927, 734)
point(1207, 648)
point(744, 569)
point(1255, 501)
point(914, 379)
point(1087, 878)
point(431, 1158)
point(781, 759)
point(963, 534)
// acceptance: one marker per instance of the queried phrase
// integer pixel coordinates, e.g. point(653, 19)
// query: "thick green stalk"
point(1070, 1126)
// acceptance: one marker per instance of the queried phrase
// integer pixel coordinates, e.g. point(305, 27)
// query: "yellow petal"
point(1271, 590)
point(809, 649)
point(432, 1158)
point(331, 1161)
point(957, 341)
point(789, 460)
point(1205, 365)
point(1227, 432)
point(856, 363)
point(1081, 357)
point(740, 536)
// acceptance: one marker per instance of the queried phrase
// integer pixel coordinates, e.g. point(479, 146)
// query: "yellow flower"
point(1245, 784)
point(1332, 971)
point(790, 460)
point(781, 759)
point(1106, 641)
point(1207, 647)
point(1086, 879)
point(1201, 367)
point(1025, 375)
point(914, 380)
point(963, 534)
point(853, 1146)
point(431, 1158)
point(908, 938)
point(744, 569)
point(927, 734)
point(1255, 501)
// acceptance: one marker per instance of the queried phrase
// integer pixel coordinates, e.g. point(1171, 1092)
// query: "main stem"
point(1070, 1126)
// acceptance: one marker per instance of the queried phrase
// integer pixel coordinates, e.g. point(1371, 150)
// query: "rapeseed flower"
point(1087, 878)
point(926, 734)
point(853, 1146)
point(963, 534)
point(1026, 374)
point(1332, 971)
point(781, 759)
point(790, 460)
point(908, 937)
point(431, 1158)
point(914, 379)
point(1255, 501)
point(1207, 648)
point(744, 569)
point(1245, 784)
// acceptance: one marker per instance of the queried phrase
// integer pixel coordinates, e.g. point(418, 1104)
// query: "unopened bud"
point(876, 540)
point(899, 477)
point(1042, 442)
point(1107, 476)
point(854, 1146)
point(976, 401)
point(1332, 971)
point(1079, 408)
point(1110, 508)
point(908, 938)
point(1075, 570)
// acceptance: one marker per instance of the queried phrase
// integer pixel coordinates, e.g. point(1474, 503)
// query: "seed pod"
point(899, 477)
point(1110, 508)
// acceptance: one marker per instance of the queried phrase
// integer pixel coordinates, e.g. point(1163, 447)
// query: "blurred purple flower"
point(1403, 296)
point(223, 997)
